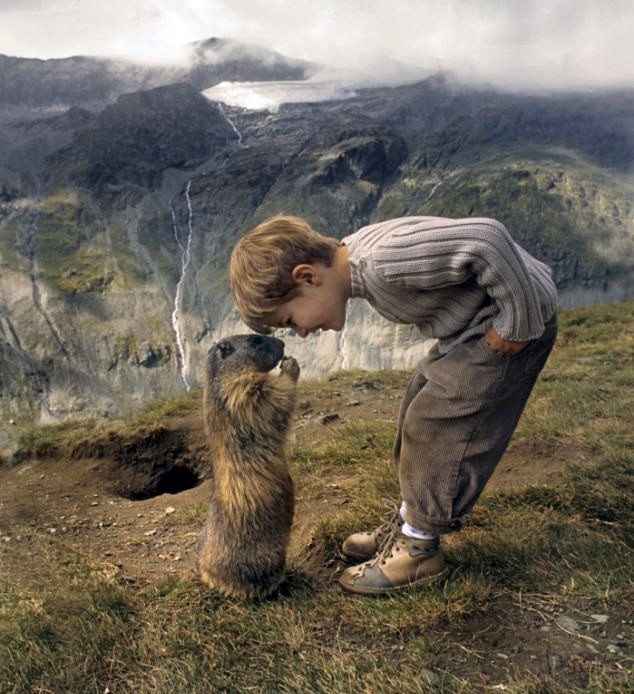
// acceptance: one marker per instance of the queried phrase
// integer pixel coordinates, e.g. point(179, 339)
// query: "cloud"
point(524, 43)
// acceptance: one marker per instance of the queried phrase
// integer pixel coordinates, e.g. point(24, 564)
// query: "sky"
point(544, 43)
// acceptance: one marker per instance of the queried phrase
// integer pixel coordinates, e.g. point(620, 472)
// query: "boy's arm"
point(432, 253)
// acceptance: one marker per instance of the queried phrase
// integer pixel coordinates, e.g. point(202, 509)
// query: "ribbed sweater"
point(452, 278)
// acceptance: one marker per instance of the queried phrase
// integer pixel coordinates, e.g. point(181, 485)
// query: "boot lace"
point(392, 530)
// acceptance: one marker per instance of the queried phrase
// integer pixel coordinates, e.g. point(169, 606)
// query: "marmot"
point(247, 413)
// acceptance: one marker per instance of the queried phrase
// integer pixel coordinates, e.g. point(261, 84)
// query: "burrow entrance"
point(152, 462)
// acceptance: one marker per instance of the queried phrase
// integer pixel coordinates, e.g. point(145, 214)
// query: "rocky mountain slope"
point(116, 227)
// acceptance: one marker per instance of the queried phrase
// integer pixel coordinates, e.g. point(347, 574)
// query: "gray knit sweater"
point(453, 278)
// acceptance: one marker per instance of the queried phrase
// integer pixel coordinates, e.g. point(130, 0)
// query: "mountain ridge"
point(35, 84)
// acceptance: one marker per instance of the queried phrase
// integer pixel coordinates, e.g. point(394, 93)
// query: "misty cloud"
point(523, 43)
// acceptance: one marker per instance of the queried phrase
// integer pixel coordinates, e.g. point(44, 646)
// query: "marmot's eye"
point(225, 349)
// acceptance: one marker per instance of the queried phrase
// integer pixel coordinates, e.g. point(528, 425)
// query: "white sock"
point(410, 531)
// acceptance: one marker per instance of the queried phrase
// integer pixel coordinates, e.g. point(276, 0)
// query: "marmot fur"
point(247, 413)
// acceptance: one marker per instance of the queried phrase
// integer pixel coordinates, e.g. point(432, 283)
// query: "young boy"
point(492, 308)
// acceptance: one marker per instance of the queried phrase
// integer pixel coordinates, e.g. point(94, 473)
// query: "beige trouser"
point(455, 422)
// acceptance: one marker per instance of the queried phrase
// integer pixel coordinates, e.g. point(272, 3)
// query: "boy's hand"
point(505, 348)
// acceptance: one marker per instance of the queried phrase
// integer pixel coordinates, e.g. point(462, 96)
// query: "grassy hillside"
point(539, 600)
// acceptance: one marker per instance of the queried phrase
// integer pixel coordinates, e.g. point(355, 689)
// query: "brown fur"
point(247, 413)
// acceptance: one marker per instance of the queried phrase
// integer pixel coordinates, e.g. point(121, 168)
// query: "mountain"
point(28, 84)
point(116, 226)
point(139, 136)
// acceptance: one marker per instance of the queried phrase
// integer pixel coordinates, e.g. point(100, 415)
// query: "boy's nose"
point(302, 332)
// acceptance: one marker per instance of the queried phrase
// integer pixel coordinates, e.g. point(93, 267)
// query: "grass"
point(70, 247)
point(556, 200)
point(62, 438)
point(78, 626)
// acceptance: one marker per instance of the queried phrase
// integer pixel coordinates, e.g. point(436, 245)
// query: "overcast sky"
point(549, 43)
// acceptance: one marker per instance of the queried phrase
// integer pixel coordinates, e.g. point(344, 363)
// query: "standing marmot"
point(247, 412)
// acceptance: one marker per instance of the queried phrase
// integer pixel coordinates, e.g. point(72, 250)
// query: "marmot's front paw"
point(290, 367)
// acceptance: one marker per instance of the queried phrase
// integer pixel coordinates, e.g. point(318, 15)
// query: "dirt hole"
point(168, 481)
point(149, 463)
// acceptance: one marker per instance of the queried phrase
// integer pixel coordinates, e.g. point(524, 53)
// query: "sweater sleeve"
point(430, 253)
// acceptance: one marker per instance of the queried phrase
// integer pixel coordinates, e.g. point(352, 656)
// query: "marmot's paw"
point(290, 367)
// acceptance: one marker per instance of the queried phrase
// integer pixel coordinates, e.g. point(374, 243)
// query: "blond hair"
point(262, 263)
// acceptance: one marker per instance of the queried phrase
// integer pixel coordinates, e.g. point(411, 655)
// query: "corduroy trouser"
point(455, 421)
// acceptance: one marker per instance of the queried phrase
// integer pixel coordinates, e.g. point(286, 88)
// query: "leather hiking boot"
point(403, 563)
point(363, 546)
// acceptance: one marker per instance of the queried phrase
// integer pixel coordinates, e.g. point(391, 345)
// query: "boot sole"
point(394, 589)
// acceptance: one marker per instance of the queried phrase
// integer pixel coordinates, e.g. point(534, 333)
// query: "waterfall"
point(232, 124)
point(185, 260)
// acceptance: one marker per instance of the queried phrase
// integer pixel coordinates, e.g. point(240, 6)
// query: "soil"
point(139, 504)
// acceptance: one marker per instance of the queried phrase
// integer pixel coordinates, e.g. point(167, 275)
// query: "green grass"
point(63, 438)
point(77, 626)
point(70, 247)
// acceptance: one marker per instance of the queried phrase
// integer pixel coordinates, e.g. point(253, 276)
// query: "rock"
point(567, 623)
point(353, 403)
point(600, 618)
point(170, 509)
point(329, 418)
point(364, 385)
point(616, 648)
point(150, 533)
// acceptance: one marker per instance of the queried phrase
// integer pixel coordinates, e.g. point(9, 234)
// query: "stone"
point(364, 385)
point(616, 648)
point(568, 623)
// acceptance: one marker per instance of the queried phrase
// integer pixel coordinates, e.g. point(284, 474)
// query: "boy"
point(492, 308)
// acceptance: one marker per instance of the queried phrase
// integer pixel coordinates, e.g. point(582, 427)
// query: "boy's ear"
point(306, 273)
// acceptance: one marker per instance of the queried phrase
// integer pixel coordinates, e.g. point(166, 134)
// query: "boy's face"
point(317, 304)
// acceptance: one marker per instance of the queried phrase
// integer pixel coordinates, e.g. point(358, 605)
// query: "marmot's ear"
point(225, 349)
